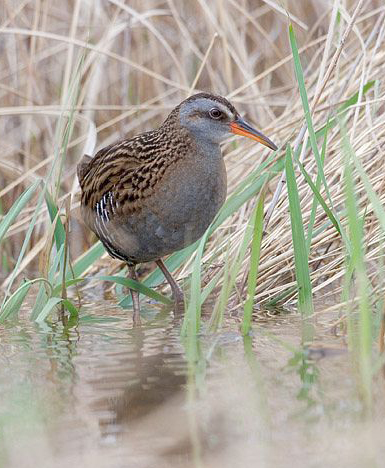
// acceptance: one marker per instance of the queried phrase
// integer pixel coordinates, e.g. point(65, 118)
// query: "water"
point(100, 394)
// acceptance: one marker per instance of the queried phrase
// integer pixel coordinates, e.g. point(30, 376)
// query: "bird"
point(148, 196)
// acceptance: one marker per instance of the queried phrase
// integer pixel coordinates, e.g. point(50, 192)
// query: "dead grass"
point(143, 57)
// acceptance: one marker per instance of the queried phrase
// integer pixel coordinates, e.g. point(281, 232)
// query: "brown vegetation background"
point(138, 59)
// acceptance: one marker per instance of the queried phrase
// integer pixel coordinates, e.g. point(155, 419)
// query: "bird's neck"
point(207, 149)
point(193, 144)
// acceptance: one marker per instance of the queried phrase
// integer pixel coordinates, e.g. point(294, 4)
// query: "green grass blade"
point(315, 199)
point(50, 304)
point(372, 195)
point(318, 197)
point(85, 261)
point(359, 282)
point(305, 105)
point(57, 289)
point(172, 262)
point(58, 258)
point(208, 289)
point(254, 264)
point(23, 248)
point(305, 300)
point(12, 306)
point(217, 314)
point(40, 301)
point(16, 208)
point(59, 232)
point(140, 287)
point(66, 124)
point(72, 309)
point(277, 299)
point(192, 315)
point(156, 277)
point(240, 197)
point(232, 269)
point(308, 118)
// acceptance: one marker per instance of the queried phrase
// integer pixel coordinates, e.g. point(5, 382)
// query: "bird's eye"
point(215, 113)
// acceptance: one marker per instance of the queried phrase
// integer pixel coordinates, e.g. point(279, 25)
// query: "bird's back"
point(149, 196)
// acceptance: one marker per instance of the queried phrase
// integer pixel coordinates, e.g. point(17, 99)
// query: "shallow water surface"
point(101, 394)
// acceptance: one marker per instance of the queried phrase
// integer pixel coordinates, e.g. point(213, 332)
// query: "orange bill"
point(241, 127)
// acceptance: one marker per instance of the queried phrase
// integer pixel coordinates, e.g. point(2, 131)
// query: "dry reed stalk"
point(167, 54)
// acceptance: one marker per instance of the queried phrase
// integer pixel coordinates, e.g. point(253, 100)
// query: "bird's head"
point(212, 119)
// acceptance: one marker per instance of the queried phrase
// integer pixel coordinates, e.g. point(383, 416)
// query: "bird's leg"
point(177, 293)
point(135, 296)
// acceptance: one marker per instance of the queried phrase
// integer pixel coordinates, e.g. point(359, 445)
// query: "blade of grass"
point(23, 249)
point(192, 315)
point(318, 197)
point(372, 195)
point(220, 304)
point(45, 311)
point(140, 287)
point(53, 210)
point(40, 301)
point(68, 283)
point(240, 197)
point(57, 259)
point(230, 280)
point(274, 301)
point(254, 263)
point(51, 304)
point(65, 133)
point(16, 208)
point(360, 283)
point(305, 299)
point(72, 309)
point(315, 200)
point(208, 289)
point(86, 260)
point(12, 305)
point(40, 199)
point(308, 116)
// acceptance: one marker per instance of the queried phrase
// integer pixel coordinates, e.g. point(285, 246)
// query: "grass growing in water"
point(359, 324)
point(273, 87)
point(305, 299)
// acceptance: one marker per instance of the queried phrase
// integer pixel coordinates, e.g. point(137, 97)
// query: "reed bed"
point(75, 77)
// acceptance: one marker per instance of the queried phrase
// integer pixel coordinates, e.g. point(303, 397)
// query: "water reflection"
point(149, 372)
point(103, 393)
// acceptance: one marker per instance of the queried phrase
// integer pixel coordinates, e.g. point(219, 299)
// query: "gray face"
point(208, 120)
